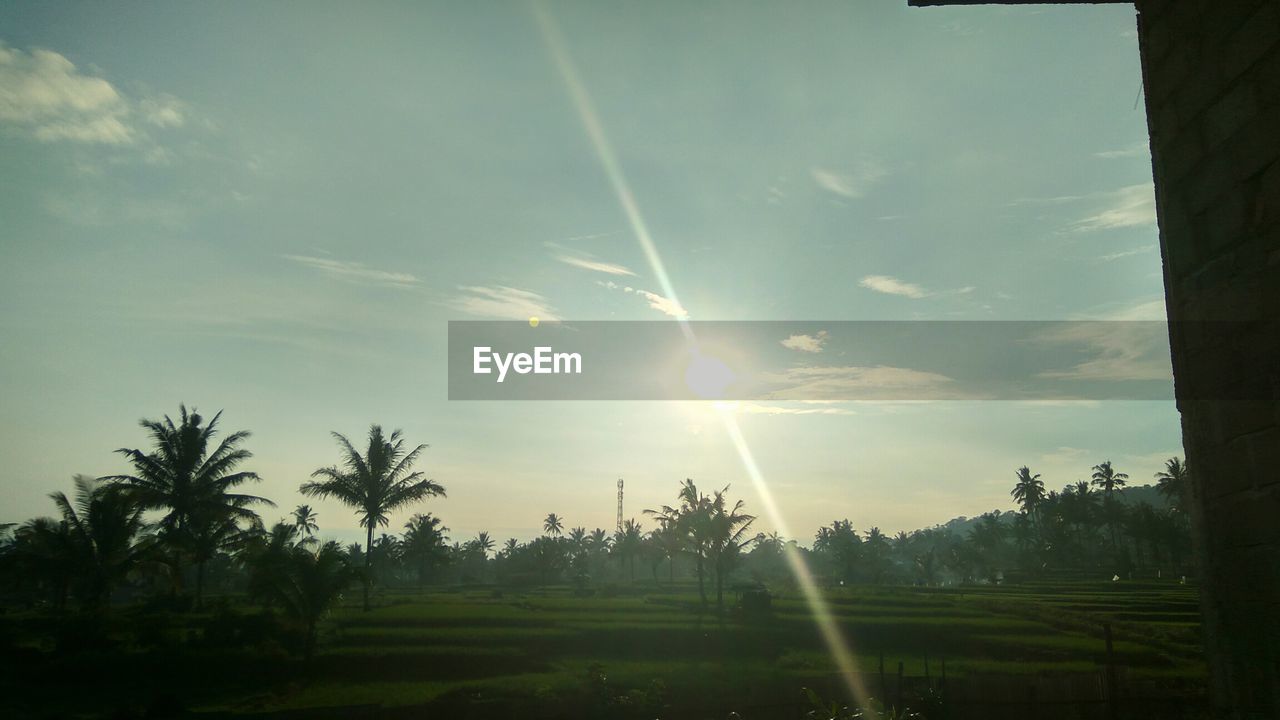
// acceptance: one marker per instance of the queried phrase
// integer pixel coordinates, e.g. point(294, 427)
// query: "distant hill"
point(1134, 495)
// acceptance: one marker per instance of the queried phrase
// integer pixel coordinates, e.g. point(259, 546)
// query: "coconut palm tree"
point(1029, 493)
point(191, 484)
point(375, 484)
point(1174, 483)
point(306, 585)
point(553, 525)
point(1106, 477)
point(98, 541)
point(425, 544)
point(484, 542)
point(304, 518)
point(627, 545)
point(726, 535)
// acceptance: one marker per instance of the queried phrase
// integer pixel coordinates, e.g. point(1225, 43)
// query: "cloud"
point(852, 184)
point(163, 111)
point(45, 94)
point(1064, 455)
point(596, 265)
point(662, 304)
point(1132, 206)
point(47, 97)
point(503, 303)
point(354, 271)
point(1058, 200)
point(806, 343)
point(1138, 149)
point(749, 408)
point(1126, 253)
point(1121, 351)
point(893, 286)
point(853, 382)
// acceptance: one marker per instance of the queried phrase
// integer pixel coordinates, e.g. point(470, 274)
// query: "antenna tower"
point(619, 504)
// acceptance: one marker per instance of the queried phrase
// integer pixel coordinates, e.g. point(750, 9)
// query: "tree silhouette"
point(1174, 483)
point(376, 484)
point(553, 525)
point(726, 535)
point(425, 544)
point(1028, 492)
point(304, 518)
point(1106, 477)
point(95, 544)
point(306, 585)
point(192, 485)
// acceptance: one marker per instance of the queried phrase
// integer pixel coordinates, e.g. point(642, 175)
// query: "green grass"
point(423, 648)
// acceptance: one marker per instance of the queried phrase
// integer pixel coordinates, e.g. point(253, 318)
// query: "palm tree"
point(194, 486)
point(484, 542)
point(45, 551)
point(1029, 493)
point(1106, 477)
point(425, 544)
point(376, 484)
point(93, 547)
point(876, 552)
point(1174, 483)
point(306, 585)
point(304, 518)
point(553, 525)
point(726, 535)
point(691, 518)
point(627, 544)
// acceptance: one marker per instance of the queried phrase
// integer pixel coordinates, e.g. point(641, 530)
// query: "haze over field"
point(252, 209)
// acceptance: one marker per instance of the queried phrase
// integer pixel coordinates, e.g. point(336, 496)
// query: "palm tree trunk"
point(719, 588)
point(200, 584)
point(368, 564)
point(702, 592)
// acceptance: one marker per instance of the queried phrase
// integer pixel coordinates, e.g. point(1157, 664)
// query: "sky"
point(274, 209)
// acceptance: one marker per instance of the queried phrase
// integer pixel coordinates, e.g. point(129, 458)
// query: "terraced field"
point(543, 646)
point(652, 652)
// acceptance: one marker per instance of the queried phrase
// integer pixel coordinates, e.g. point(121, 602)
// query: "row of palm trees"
point(193, 487)
point(182, 506)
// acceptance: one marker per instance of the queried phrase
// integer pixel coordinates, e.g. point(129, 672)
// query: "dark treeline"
point(181, 527)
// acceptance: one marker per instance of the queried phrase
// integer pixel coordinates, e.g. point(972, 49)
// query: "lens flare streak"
point(827, 626)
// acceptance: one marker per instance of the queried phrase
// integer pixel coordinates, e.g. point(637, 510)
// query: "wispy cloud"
point(806, 343)
point(750, 408)
point(1121, 351)
point(503, 303)
point(1055, 200)
point(1126, 253)
point(354, 271)
point(1138, 149)
point(852, 183)
point(163, 111)
point(661, 303)
point(595, 265)
point(893, 286)
point(853, 382)
point(586, 260)
point(1132, 206)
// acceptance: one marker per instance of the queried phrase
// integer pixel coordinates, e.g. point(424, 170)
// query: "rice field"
point(547, 652)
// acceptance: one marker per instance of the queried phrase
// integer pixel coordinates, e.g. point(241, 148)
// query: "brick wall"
point(1212, 76)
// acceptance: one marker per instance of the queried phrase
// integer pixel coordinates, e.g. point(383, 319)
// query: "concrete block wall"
point(1212, 78)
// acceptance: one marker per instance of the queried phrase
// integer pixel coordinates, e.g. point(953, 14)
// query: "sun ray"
point(835, 640)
